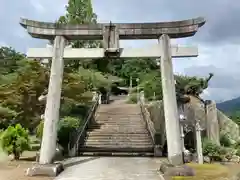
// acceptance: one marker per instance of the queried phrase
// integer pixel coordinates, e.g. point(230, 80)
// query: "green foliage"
point(228, 152)
point(192, 85)
point(21, 95)
point(235, 116)
point(238, 152)
point(212, 150)
point(15, 140)
point(6, 115)
point(79, 12)
point(137, 67)
point(8, 60)
point(225, 140)
point(132, 99)
point(39, 132)
point(66, 126)
point(152, 85)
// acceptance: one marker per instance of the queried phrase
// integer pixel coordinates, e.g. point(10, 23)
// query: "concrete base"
point(176, 159)
point(158, 151)
point(49, 170)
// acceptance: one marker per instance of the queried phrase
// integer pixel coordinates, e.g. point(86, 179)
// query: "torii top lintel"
point(175, 29)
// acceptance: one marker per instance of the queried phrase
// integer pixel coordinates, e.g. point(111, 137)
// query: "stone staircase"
point(119, 129)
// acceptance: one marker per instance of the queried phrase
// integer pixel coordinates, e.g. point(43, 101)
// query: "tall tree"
point(8, 60)
point(79, 12)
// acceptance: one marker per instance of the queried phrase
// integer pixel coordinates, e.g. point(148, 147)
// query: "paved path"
point(109, 168)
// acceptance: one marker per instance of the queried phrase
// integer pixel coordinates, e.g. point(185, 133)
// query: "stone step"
point(119, 138)
point(131, 125)
point(117, 128)
point(119, 112)
point(119, 123)
point(123, 114)
point(114, 145)
point(116, 119)
point(118, 154)
point(93, 133)
point(116, 149)
point(120, 131)
point(119, 144)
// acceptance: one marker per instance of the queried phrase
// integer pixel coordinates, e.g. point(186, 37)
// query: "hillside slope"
point(230, 105)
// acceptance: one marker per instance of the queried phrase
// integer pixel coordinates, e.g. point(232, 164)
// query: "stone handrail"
point(81, 134)
point(147, 118)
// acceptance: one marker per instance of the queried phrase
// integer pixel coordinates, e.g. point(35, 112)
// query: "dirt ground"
point(15, 170)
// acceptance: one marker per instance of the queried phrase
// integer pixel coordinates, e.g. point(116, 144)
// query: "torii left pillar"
point(51, 116)
point(170, 103)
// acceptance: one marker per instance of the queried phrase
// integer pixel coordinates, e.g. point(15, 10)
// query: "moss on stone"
point(206, 172)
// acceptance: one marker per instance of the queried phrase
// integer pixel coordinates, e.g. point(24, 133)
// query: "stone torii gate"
point(111, 34)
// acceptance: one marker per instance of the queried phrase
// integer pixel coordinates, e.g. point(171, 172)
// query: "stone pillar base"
point(158, 151)
point(49, 170)
point(176, 159)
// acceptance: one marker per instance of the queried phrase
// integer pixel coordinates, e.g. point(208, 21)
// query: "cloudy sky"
point(218, 40)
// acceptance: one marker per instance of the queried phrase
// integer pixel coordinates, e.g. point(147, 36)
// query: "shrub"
point(212, 150)
point(15, 140)
point(238, 152)
point(225, 140)
point(39, 132)
point(237, 144)
point(66, 126)
point(70, 107)
point(229, 153)
point(133, 98)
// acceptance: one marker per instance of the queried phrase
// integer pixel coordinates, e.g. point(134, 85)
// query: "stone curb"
point(49, 170)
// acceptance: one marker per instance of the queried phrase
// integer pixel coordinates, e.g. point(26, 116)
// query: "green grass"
point(206, 172)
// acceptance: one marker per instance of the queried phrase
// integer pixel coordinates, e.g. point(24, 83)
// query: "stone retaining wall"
point(214, 123)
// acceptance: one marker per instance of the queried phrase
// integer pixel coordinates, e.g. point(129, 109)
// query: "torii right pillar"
point(175, 154)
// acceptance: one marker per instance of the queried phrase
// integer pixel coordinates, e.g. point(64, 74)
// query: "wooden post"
point(51, 116)
point(170, 103)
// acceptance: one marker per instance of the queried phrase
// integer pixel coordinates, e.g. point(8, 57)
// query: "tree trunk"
point(16, 155)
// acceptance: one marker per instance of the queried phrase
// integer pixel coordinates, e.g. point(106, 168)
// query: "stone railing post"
point(95, 95)
point(142, 97)
point(100, 99)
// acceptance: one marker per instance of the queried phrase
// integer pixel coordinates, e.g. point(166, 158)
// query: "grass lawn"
point(211, 172)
